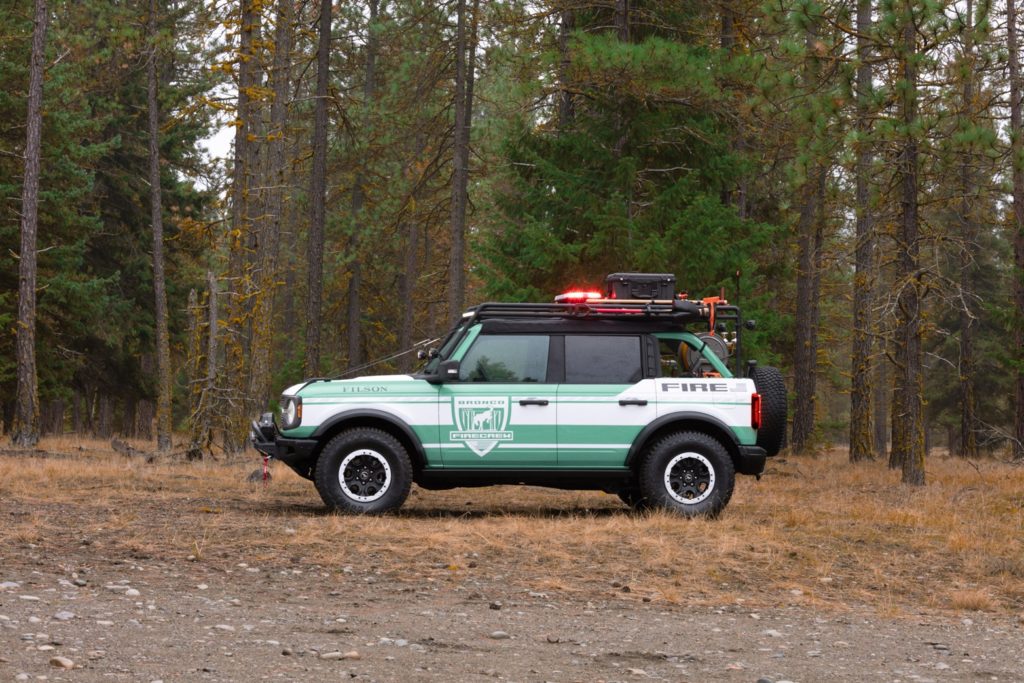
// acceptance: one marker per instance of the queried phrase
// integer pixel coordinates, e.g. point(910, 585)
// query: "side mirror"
point(447, 371)
point(427, 354)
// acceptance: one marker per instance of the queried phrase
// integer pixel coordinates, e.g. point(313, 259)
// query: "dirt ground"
point(177, 572)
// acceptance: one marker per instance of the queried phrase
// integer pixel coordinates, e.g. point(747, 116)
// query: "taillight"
point(755, 411)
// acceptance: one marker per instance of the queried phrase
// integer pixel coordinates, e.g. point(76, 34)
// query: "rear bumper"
point(299, 454)
point(750, 460)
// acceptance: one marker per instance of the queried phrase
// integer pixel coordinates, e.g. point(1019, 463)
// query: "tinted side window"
point(506, 358)
point(602, 360)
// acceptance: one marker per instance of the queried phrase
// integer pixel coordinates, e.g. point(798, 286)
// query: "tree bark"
point(908, 428)
point(318, 196)
point(26, 417)
point(163, 346)
point(810, 233)
point(968, 260)
point(1017, 226)
point(622, 20)
point(354, 313)
point(880, 404)
point(104, 416)
point(727, 34)
point(864, 275)
point(243, 200)
point(464, 77)
point(270, 223)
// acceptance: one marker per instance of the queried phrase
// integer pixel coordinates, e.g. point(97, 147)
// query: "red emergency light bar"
point(577, 296)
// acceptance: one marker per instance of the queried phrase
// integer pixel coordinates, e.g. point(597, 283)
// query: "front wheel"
point(688, 472)
point(364, 471)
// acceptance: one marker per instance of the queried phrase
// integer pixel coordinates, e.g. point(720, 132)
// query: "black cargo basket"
point(640, 285)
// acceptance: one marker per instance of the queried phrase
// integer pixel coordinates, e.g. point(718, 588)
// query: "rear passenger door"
point(606, 398)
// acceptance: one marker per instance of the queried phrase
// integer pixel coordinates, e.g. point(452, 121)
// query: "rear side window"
point(595, 359)
point(506, 358)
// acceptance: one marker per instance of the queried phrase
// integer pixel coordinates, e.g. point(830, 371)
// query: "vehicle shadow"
point(448, 512)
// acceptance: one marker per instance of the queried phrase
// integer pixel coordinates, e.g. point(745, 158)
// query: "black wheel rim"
point(364, 475)
point(689, 478)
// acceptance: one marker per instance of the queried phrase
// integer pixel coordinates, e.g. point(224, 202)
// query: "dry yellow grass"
point(817, 532)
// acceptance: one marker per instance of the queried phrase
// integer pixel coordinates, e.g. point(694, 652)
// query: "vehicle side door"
point(606, 398)
point(501, 410)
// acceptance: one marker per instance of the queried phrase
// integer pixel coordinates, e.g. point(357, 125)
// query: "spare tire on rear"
point(769, 384)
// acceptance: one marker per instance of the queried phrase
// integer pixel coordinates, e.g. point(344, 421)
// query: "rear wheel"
point(688, 472)
point(364, 470)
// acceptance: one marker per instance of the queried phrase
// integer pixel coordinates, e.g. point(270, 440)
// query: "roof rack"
point(681, 311)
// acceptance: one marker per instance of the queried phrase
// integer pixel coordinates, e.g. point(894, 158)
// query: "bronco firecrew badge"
point(481, 423)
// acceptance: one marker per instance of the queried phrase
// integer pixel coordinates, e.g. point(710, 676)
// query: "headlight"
point(291, 412)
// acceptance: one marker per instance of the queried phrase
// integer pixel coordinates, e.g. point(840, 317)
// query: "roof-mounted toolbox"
point(640, 286)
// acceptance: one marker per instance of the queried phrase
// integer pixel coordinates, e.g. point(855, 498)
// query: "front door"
point(501, 411)
point(605, 400)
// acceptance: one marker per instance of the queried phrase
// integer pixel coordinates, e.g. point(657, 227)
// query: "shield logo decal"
point(481, 423)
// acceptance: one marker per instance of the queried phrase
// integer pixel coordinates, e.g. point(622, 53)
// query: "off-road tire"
point(690, 473)
point(774, 408)
point(377, 472)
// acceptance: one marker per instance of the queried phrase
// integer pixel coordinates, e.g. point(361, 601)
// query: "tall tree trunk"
point(908, 428)
point(810, 233)
point(163, 346)
point(1017, 226)
point(355, 282)
point(318, 196)
point(464, 77)
point(104, 415)
point(622, 20)
point(727, 34)
point(880, 403)
point(863, 279)
point(26, 417)
point(270, 223)
point(968, 251)
point(76, 412)
point(243, 200)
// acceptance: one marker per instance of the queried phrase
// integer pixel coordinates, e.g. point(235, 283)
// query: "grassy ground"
point(814, 532)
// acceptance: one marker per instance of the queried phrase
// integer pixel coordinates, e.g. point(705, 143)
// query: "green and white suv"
point(626, 391)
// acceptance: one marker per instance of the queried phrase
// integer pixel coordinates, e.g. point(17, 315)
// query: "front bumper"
point(299, 454)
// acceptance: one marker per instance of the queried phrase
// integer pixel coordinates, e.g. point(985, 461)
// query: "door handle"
point(533, 401)
point(632, 401)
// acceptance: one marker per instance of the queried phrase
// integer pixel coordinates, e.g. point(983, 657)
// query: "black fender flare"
point(694, 419)
point(403, 432)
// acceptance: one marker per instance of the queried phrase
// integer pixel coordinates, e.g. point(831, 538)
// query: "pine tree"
point(861, 447)
point(26, 425)
point(1017, 218)
point(163, 350)
point(317, 198)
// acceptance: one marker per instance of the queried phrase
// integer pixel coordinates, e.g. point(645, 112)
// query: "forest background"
point(851, 173)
